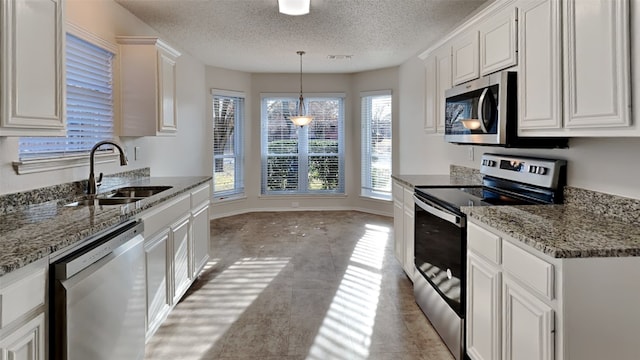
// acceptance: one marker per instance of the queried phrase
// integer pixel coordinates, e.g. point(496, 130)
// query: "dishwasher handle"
point(98, 248)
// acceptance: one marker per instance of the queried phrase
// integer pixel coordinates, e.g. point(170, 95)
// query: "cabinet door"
point(483, 309)
point(157, 273)
point(443, 83)
point(409, 231)
point(539, 57)
point(431, 99)
point(465, 52)
point(32, 68)
point(528, 324)
point(25, 343)
point(398, 222)
point(180, 251)
point(200, 239)
point(597, 74)
point(498, 42)
point(167, 122)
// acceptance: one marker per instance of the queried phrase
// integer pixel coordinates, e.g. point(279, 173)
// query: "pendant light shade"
point(294, 7)
point(301, 118)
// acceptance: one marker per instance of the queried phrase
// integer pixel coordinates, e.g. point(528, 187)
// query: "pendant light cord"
point(301, 53)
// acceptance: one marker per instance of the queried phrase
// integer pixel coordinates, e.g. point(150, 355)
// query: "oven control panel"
point(529, 170)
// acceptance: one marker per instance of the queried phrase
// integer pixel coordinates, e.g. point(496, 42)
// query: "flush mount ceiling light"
point(294, 7)
point(301, 119)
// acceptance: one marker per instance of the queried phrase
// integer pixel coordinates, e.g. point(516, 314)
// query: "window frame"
point(78, 159)
point(239, 186)
point(303, 146)
point(366, 181)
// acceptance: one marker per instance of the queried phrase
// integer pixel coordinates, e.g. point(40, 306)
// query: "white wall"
point(607, 165)
point(184, 154)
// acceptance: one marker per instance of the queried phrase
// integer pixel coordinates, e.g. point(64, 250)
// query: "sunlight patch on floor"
point(349, 324)
point(214, 307)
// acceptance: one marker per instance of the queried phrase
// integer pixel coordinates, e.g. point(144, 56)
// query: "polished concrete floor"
point(299, 285)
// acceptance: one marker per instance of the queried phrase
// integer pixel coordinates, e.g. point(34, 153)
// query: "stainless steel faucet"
point(92, 187)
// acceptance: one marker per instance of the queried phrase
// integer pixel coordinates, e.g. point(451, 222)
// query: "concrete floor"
point(299, 285)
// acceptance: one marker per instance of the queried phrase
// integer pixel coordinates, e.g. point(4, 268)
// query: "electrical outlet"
point(136, 152)
point(470, 153)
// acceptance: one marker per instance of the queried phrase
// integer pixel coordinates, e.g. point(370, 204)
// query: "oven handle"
point(439, 212)
point(434, 210)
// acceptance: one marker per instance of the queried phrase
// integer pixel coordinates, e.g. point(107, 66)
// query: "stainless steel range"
point(441, 235)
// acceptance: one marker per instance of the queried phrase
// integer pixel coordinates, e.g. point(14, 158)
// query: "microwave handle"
point(481, 110)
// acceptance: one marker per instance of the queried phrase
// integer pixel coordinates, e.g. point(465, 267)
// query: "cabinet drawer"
point(167, 213)
point(484, 242)
point(23, 295)
point(200, 195)
point(531, 270)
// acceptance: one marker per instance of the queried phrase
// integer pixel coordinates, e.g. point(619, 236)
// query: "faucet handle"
point(99, 181)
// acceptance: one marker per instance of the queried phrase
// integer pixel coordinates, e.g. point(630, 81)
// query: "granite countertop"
point(36, 231)
point(436, 180)
point(562, 231)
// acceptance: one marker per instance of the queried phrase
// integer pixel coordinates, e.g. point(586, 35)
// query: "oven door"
point(440, 250)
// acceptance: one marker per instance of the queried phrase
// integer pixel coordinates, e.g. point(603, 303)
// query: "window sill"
point(372, 195)
point(299, 196)
point(227, 199)
point(43, 165)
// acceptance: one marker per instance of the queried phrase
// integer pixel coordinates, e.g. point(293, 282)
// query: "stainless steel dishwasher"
point(98, 298)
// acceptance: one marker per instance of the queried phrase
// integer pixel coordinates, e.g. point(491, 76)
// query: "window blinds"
point(376, 144)
point(228, 116)
point(89, 104)
point(306, 160)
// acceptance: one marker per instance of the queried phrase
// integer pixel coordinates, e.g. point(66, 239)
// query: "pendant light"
point(301, 119)
point(294, 7)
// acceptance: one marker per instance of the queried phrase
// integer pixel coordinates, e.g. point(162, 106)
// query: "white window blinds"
point(228, 117)
point(303, 160)
point(89, 111)
point(376, 144)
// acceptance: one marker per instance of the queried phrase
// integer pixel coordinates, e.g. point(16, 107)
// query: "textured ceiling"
point(252, 36)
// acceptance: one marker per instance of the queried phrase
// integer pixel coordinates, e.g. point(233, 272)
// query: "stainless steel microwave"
point(485, 112)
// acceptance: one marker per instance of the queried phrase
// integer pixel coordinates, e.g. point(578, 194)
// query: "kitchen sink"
point(138, 191)
point(120, 196)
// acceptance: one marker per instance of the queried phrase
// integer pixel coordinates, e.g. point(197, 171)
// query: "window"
point(228, 116)
point(89, 73)
point(376, 144)
point(303, 160)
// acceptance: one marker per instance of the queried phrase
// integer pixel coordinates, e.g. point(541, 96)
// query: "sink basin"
point(105, 201)
point(138, 191)
point(123, 195)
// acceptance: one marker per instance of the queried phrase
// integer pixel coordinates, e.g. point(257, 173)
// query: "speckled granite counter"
point(562, 231)
point(459, 176)
point(32, 232)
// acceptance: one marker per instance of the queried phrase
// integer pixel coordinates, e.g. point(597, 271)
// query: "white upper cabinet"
point(574, 61)
point(465, 58)
point(148, 86)
point(32, 73)
point(597, 74)
point(498, 42)
point(540, 63)
point(443, 82)
point(430, 104)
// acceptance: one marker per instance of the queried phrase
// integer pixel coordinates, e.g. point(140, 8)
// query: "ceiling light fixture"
point(294, 7)
point(301, 119)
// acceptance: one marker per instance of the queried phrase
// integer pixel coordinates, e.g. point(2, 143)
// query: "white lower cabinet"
point(483, 309)
point(23, 308)
point(398, 221)
point(525, 305)
point(528, 324)
point(176, 250)
point(403, 226)
point(180, 244)
point(26, 342)
point(157, 275)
